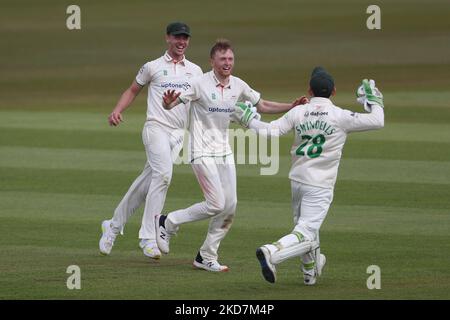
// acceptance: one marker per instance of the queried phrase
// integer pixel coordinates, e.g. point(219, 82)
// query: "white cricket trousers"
point(310, 207)
point(217, 179)
point(162, 146)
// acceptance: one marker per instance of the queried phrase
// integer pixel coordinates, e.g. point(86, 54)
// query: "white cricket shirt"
point(163, 74)
point(320, 130)
point(211, 106)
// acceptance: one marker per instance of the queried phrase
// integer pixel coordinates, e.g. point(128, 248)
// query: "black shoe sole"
point(266, 272)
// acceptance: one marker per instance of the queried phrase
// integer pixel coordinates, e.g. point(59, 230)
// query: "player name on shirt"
point(318, 125)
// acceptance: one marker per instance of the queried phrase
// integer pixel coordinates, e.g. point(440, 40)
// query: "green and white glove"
point(368, 94)
point(253, 108)
point(242, 114)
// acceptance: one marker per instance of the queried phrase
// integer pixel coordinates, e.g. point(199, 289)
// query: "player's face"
point(177, 45)
point(223, 62)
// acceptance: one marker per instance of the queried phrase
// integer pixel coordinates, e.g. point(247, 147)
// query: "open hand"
point(169, 97)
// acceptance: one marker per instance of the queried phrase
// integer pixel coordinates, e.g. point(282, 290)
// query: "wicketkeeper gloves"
point(243, 113)
point(254, 110)
point(368, 94)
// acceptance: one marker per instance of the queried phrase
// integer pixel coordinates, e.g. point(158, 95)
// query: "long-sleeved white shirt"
point(321, 129)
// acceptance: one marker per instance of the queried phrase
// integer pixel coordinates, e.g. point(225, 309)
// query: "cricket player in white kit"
point(320, 129)
point(212, 97)
point(162, 136)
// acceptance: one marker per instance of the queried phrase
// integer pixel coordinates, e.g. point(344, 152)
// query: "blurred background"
point(44, 65)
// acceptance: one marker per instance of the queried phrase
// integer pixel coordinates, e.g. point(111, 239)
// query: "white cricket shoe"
point(108, 236)
point(268, 269)
point(310, 276)
point(150, 248)
point(213, 266)
point(162, 236)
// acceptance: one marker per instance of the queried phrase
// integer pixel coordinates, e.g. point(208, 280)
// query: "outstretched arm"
point(128, 96)
point(264, 129)
point(265, 106)
point(275, 128)
point(372, 99)
point(244, 115)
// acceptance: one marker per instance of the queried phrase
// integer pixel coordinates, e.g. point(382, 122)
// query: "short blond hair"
point(220, 45)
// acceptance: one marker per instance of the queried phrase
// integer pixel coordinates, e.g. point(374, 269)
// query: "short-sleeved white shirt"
point(320, 130)
point(211, 106)
point(163, 74)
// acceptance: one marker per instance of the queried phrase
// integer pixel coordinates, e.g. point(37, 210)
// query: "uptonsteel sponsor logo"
point(170, 85)
point(219, 109)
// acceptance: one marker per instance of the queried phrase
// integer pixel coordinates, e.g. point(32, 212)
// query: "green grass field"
point(63, 170)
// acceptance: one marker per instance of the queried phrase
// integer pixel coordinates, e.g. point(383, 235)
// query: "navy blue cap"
point(321, 83)
point(176, 28)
